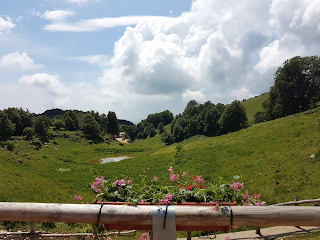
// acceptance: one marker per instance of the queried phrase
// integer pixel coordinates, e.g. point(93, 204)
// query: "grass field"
point(272, 157)
point(254, 105)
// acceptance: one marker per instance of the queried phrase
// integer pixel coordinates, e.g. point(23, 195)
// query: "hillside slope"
point(272, 157)
point(254, 105)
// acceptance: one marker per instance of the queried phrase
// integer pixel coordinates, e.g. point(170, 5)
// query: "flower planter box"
point(179, 228)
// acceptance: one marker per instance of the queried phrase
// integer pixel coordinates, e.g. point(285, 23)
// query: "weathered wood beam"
point(142, 215)
point(298, 202)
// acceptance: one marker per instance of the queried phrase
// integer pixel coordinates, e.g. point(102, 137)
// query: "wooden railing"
point(184, 215)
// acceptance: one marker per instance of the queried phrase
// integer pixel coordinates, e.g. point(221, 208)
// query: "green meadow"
point(271, 157)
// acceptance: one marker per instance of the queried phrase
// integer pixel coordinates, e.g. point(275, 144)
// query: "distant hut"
point(122, 135)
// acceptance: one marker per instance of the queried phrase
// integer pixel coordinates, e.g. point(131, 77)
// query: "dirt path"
point(123, 141)
point(266, 233)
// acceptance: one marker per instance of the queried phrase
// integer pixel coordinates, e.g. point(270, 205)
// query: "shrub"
point(10, 146)
point(28, 132)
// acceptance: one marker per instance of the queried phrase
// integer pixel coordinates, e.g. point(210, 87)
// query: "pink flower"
point(122, 182)
point(154, 179)
point(256, 196)
point(75, 196)
point(115, 183)
point(144, 236)
point(167, 200)
point(237, 186)
point(198, 179)
point(129, 181)
point(142, 201)
point(184, 174)
point(236, 227)
point(174, 177)
point(147, 168)
point(227, 238)
point(216, 207)
point(170, 169)
point(79, 198)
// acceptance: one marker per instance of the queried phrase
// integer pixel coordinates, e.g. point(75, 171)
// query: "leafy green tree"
point(7, 128)
point(165, 117)
point(21, 118)
point(28, 132)
point(89, 125)
point(58, 124)
point(212, 118)
point(132, 132)
point(296, 87)
point(69, 123)
point(233, 118)
point(193, 103)
point(112, 127)
point(152, 130)
point(103, 121)
point(161, 128)
point(40, 127)
point(74, 124)
point(166, 138)
point(192, 127)
point(178, 133)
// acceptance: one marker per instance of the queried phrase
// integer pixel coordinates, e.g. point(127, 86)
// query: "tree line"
point(206, 119)
point(18, 122)
point(148, 127)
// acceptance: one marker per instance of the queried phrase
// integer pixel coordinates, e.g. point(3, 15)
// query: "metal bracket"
point(164, 222)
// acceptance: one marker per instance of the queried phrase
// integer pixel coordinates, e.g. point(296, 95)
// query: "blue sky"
point(142, 57)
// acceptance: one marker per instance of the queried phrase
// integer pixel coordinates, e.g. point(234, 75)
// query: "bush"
point(58, 124)
point(10, 146)
point(260, 117)
point(166, 138)
point(28, 132)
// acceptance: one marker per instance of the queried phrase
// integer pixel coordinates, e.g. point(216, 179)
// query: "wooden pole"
point(142, 215)
point(298, 202)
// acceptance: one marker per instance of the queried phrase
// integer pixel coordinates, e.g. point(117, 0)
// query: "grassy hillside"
point(272, 157)
point(254, 105)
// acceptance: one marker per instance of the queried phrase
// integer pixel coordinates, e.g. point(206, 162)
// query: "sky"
point(137, 57)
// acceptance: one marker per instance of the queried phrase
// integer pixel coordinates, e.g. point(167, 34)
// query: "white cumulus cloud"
point(214, 48)
point(83, 1)
point(101, 60)
point(97, 24)
point(57, 15)
point(242, 93)
point(6, 25)
point(18, 61)
point(196, 95)
point(46, 81)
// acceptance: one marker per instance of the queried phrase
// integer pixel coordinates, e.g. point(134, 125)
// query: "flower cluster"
point(155, 179)
point(173, 177)
point(253, 200)
point(167, 200)
point(98, 184)
point(198, 179)
point(237, 186)
point(144, 236)
point(79, 198)
point(184, 189)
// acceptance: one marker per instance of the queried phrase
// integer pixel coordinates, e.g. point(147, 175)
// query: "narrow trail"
point(278, 232)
